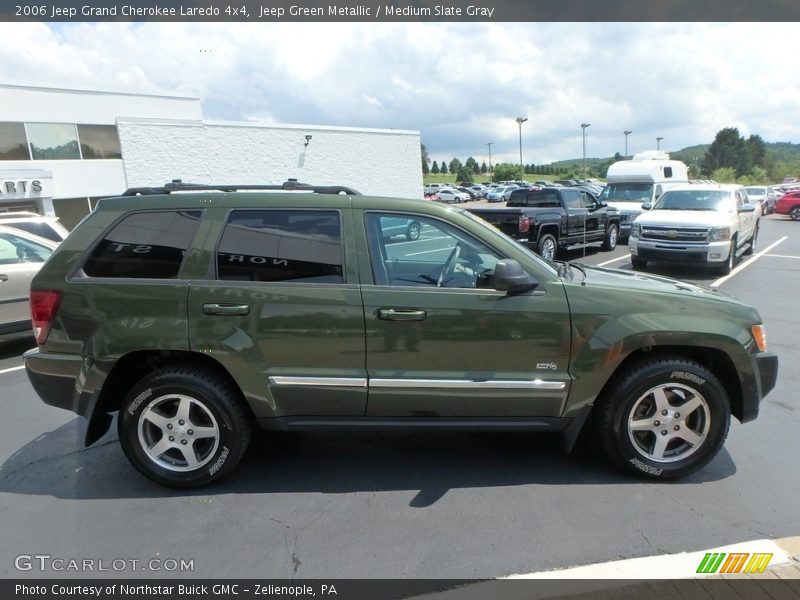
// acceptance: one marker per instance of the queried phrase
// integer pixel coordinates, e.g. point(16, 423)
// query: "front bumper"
point(765, 369)
point(680, 252)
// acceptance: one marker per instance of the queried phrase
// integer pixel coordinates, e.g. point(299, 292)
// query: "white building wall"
point(62, 105)
point(375, 162)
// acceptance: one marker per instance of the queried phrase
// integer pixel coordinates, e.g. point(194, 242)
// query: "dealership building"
point(61, 150)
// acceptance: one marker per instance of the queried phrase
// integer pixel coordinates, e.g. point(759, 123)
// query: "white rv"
point(642, 179)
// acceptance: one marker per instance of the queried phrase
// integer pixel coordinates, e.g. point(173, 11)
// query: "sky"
point(461, 85)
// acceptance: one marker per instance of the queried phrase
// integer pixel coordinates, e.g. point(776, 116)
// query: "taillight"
point(44, 304)
point(524, 224)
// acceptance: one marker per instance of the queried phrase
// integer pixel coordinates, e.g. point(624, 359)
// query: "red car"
point(789, 204)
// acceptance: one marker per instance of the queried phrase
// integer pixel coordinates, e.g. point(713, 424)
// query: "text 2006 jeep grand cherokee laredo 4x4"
point(198, 316)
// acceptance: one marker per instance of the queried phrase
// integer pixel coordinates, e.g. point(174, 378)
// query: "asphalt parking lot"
point(452, 505)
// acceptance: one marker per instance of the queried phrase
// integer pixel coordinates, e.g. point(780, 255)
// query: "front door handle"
point(401, 314)
point(226, 309)
point(3, 278)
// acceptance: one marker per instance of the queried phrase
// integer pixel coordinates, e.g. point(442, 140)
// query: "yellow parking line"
point(747, 263)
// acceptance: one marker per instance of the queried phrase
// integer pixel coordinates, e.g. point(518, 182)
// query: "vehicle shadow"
point(56, 464)
point(13, 345)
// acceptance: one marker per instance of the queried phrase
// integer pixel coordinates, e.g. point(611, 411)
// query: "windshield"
point(486, 225)
point(627, 192)
point(695, 200)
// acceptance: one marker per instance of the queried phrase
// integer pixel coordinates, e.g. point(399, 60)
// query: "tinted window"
point(281, 245)
point(99, 141)
point(572, 199)
point(540, 199)
point(36, 228)
point(53, 141)
point(145, 245)
point(13, 143)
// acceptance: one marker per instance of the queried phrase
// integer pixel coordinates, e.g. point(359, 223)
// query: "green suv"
point(198, 316)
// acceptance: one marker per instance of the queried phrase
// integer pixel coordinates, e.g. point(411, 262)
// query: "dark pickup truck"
point(549, 219)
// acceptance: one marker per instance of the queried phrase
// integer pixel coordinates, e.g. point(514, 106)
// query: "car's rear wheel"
point(612, 234)
point(183, 427)
point(795, 213)
point(664, 418)
point(413, 231)
point(547, 246)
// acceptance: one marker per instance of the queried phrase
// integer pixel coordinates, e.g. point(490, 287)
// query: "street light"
point(520, 121)
point(658, 143)
point(490, 155)
point(627, 133)
point(583, 127)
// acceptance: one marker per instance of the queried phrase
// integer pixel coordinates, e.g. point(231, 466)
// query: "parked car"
point(472, 195)
point(763, 195)
point(789, 204)
point(199, 322)
point(553, 218)
point(21, 257)
point(507, 191)
point(450, 195)
point(47, 227)
point(409, 228)
point(478, 190)
point(708, 224)
point(496, 194)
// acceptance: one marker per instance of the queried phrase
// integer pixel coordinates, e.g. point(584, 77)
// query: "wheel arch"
point(131, 367)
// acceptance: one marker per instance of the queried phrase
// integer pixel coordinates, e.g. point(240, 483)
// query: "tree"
point(728, 150)
point(757, 152)
point(455, 165)
point(443, 168)
point(425, 159)
point(425, 168)
point(464, 174)
point(435, 168)
point(506, 172)
point(484, 168)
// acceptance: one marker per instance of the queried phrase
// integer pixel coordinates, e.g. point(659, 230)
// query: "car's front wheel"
point(413, 231)
point(795, 213)
point(183, 427)
point(638, 263)
point(664, 417)
point(612, 234)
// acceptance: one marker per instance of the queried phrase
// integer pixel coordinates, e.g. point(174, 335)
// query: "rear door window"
point(145, 245)
point(281, 245)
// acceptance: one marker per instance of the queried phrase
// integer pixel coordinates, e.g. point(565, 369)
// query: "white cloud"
point(460, 84)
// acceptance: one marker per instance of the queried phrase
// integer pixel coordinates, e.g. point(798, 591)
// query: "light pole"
point(490, 155)
point(583, 127)
point(627, 133)
point(520, 121)
point(658, 143)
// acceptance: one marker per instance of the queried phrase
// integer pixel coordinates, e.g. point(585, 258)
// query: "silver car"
point(21, 257)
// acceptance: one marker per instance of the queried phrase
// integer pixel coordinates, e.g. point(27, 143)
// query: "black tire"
point(751, 247)
point(214, 406)
point(633, 394)
point(547, 246)
point(795, 213)
point(729, 263)
point(413, 231)
point(612, 236)
point(638, 263)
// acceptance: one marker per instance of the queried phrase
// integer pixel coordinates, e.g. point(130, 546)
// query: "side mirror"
point(647, 206)
point(747, 208)
point(509, 277)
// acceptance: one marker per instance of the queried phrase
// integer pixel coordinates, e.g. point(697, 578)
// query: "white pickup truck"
point(708, 224)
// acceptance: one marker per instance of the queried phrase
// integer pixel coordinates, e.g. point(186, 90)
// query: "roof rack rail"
point(176, 185)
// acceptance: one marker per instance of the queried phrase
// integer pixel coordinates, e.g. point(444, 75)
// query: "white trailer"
point(640, 180)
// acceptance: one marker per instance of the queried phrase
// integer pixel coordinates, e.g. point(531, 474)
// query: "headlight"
point(718, 234)
point(636, 230)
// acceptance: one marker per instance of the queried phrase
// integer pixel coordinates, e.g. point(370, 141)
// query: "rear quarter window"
point(145, 245)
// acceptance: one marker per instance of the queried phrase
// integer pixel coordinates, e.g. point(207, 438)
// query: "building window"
point(148, 245)
point(53, 141)
point(281, 245)
point(13, 143)
point(99, 141)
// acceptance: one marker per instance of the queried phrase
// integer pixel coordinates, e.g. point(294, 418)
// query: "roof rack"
point(176, 185)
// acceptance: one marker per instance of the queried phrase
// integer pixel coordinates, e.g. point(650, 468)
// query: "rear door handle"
point(401, 314)
point(3, 278)
point(226, 309)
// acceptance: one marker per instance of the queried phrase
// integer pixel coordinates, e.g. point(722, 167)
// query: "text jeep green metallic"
point(199, 315)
